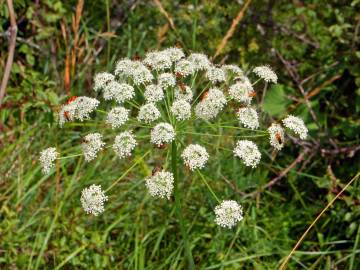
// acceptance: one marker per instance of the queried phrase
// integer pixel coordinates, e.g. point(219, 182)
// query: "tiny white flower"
point(174, 53)
point(124, 144)
point(140, 73)
point(183, 92)
point(195, 156)
point(102, 79)
point(124, 67)
point(148, 113)
point(91, 145)
point(120, 92)
point(297, 125)
point(47, 158)
point(277, 136)
point(162, 133)
point(166, 80)
point(184, 68)
point(117, 117)
point(215, 74)
point(228, 214)
point(266, 73)
point(242, 91)
point(158, 60)
point(161, 184)
point(248, 152)
point(248, 117)
point(181, 109)
point(153, 93)
point(93, 199)
point(212, 103)
point(200, 61)
point(232, 71)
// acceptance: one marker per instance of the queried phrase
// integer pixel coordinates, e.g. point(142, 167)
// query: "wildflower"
point(242, 91)
point(161, 184)
point(102, 79)
point(248, 152)
point(120, 92)
point(277, 136)
point(213, 102)
point(91, 145)
point(166, 80)
point(174, 53)
point(297, 125)
point(183, 92)
point(228, 214)
point(92, 200)
point(162, 133)
point(200, 61)
point(79, 109)
point(195, 156)
point(135, 70)
point(148, 113)
point(124, 67)
point(47, 158)
point(153, 93)
point(248, 117)
point(158, 60)
point(266, 73)
point(117, 117)
point(181, 109)
point(124, 144)
point(232, 71)
point(184, 68)
point(215, 74)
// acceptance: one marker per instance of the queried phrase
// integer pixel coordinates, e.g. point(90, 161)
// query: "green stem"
point(191, 264)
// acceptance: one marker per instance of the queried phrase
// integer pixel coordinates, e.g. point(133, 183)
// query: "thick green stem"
point(174, 160)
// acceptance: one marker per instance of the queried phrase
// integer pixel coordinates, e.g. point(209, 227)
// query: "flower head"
point(158, 60)
point(120, 92)
point(248, 117)
point(183, 92)
point(148, 113)
point(248, 152)
point(174, 53)
point(135, 70)
point(181, 109)
point(161, 184)
point(213, 102)
point(266, 73)
point(102, 79)
point(166, 80)
point(297, 125)
point(117, 117)
point(162, 133)
point(92, 200)
point(277, 136)
point(242, 91)
point(184, 68)
point(124, 144)
point(91, 145)
point(232, 71)
point(195, 156)
point(79, 109)
point(153, 93)
point(200, 61)
point(215, 74)
point(47, 158)
point(228, 214)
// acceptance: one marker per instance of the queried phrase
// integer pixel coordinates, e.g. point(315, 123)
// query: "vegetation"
point(314, 48)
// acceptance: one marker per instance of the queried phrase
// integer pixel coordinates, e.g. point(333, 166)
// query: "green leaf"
point(276, 102)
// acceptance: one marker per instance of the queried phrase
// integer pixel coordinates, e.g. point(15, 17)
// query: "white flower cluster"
point(242, 91)
point(153, 93)
point(266, 73)
point(161, 184)
point(47, 158)
point(92, 144)
point(120, 92)
point(215, 75)
point(134, 70)
point(181, 109)
point(277, 136)
point(102, 79)
point(93, 199)
point(162, 133)
point(166, 80)
point(232, 71)
point(158, 60)
point(117, 117)
point(78, 108)
point(248, 117)
point(195, 156)
point(124, 144)
point(228, 214)
point(199, 61)
point(212, 103)
point(297, 125)
point(248, 152)
point(148, 113)
point(184, 92)
point(184, 68)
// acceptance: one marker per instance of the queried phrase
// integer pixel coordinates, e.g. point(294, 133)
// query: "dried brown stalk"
point(164, 12)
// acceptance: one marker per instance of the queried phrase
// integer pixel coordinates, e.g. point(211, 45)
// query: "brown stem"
point(12, 33)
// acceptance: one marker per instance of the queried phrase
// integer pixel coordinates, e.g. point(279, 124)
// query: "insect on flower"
point(252, 94)
point(182, 86)
point(278, 137)
point(205, 95)
point(156, 169)
point(70, 100)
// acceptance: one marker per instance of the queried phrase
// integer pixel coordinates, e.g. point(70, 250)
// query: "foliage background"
point(312, 45)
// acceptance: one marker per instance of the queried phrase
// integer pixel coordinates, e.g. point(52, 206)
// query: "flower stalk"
point(174, 161)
